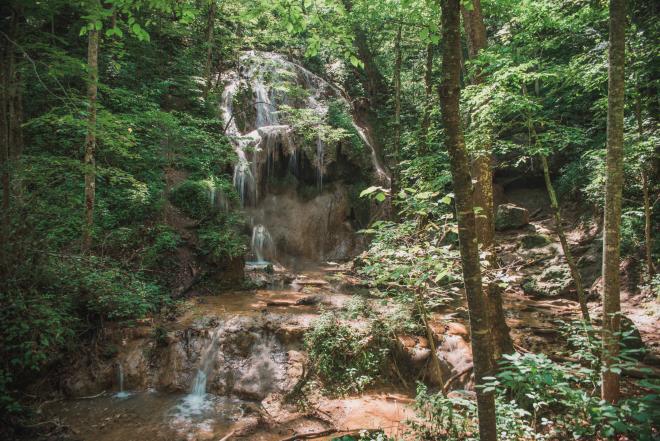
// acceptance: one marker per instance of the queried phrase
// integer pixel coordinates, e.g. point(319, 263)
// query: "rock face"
point(509, 216)
point(302, 160)
point(246, 358)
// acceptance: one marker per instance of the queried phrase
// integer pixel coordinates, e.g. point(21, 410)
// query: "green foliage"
point(403, 259)
point(222, 238)
point(345, 359)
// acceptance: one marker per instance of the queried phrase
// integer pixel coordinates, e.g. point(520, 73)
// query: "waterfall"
point(263, 73)
point(262, 243)
point(196, 401)
point(120, 380)
point(320, 152)
point(212, 194)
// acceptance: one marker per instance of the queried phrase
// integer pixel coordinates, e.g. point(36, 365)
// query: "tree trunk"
point(210, 27)
point(11, 115)
point(397, 100)
point(575, 272)
point(451, 119)
point(375, 87)
point(424, 142)
point(648, 237)
point(90, 140)
point(613, 190)
point(475, 29)
point(4, 139)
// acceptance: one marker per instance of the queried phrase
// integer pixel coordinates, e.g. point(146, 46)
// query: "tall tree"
point(428, 91)
point(210, 27)
point(467, 234)
point(613, 195)
point(90, 139)
point(11, 107)
point(397, 97)
point(473, 21)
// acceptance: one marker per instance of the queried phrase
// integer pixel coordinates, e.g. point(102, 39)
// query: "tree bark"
point(575, 272)
point(210, 27)
point(479, 328)
point(613, 196)
point(90, 140)
point(475, 29)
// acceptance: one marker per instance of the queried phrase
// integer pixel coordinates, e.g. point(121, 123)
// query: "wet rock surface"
point(259, 358)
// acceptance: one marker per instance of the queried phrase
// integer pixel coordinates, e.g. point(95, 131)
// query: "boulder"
point(535, 241)
point(510, 216)
point(554, 281)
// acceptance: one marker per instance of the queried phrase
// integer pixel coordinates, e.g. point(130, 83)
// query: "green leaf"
point(369, 191)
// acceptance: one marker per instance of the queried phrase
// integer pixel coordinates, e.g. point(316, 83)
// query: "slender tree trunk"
point(90, 140)
point(479, 328)
point(428, 88)
point(648, 237)
point(210, 27)
point(397, 99)
point(575, 272)
point(11, 115)
point(4, 137)
point(482, 171)
point(613, 196)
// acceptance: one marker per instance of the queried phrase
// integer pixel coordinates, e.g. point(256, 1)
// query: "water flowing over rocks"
point(295, 181)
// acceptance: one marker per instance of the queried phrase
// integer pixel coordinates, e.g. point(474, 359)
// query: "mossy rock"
point(535, 241)
point(510, 216)
point(554, 281)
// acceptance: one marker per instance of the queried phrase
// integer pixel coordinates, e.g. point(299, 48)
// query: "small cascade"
point(262, 243)
point(320, 153)
point(212, 195)
point(120, 380)
point(196, 401)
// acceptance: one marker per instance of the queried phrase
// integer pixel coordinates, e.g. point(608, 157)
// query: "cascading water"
point(262, 243)
point(196, 401)
point(290, 163)
point(120, 379)
point(264, 74)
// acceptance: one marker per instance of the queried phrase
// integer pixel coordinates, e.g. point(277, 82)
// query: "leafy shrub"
point(116, 294)
point(36, 326)
point(165, 243)
point(221, 237)
point(192, 198)
point(345, 359)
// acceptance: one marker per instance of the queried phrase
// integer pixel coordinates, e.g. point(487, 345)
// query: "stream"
point(228, 361)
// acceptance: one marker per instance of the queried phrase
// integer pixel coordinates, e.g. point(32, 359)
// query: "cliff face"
point(302, 160)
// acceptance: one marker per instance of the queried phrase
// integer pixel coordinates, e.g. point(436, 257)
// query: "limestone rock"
point(509, 216)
